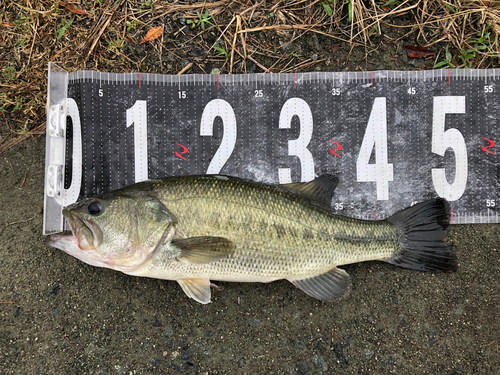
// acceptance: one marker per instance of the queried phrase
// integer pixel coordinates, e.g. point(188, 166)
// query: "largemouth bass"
point(195, 229)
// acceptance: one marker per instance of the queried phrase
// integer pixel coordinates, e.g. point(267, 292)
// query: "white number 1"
point(137, 115)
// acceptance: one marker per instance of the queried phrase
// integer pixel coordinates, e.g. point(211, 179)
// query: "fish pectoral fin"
point(197, 288)
point(319, 190)
point(200, 250)
point(327, 286)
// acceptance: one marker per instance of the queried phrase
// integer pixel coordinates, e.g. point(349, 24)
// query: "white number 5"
point(451, 138)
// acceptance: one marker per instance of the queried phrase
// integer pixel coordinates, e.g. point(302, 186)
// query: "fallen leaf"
point(10, 24)
point(416, 51)
point(75, 8)
point(152, 34)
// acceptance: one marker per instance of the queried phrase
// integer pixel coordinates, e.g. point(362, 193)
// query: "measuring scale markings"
point(374, 139)
point(396, 148)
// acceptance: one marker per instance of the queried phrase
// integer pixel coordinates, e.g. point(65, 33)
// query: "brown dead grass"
point(107, 37)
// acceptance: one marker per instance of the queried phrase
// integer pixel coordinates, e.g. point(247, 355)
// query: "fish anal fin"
point(327, 286)
point(197, 288)
point(202, 250)
point(319, 190)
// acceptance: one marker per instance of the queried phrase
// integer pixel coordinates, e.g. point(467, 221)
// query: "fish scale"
point(261, 250)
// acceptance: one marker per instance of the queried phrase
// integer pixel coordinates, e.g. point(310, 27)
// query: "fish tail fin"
point(422, 229)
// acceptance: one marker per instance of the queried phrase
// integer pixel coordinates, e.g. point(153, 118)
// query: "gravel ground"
point(59, 315)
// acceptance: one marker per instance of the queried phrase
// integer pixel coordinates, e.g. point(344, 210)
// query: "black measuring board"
point(394, 138)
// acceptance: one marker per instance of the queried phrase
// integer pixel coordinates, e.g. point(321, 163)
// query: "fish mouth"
point(87, 234)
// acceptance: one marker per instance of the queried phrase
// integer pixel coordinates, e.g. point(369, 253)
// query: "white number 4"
point(376, 137)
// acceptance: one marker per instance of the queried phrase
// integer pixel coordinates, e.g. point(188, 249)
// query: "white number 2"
point(219, 108)
point(451, 138)
point(376, 137)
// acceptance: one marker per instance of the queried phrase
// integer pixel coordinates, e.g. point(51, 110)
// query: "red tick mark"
point(339, 147)
point(184, 150)
point(490, 145)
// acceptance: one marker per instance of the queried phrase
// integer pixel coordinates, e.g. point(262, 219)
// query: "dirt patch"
point(59, 315)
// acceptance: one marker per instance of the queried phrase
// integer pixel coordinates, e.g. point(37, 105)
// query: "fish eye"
point(95, 209)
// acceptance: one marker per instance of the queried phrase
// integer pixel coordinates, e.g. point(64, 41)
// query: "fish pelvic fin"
point(197, 288)
point(319, 190)
point(328, 286)
point(201, 250)
point(422, 229)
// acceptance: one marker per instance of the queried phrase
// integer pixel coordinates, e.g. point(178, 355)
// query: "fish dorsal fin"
point(319, 190)
point(205, 249)
point(197, 288)
point(327, 286)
